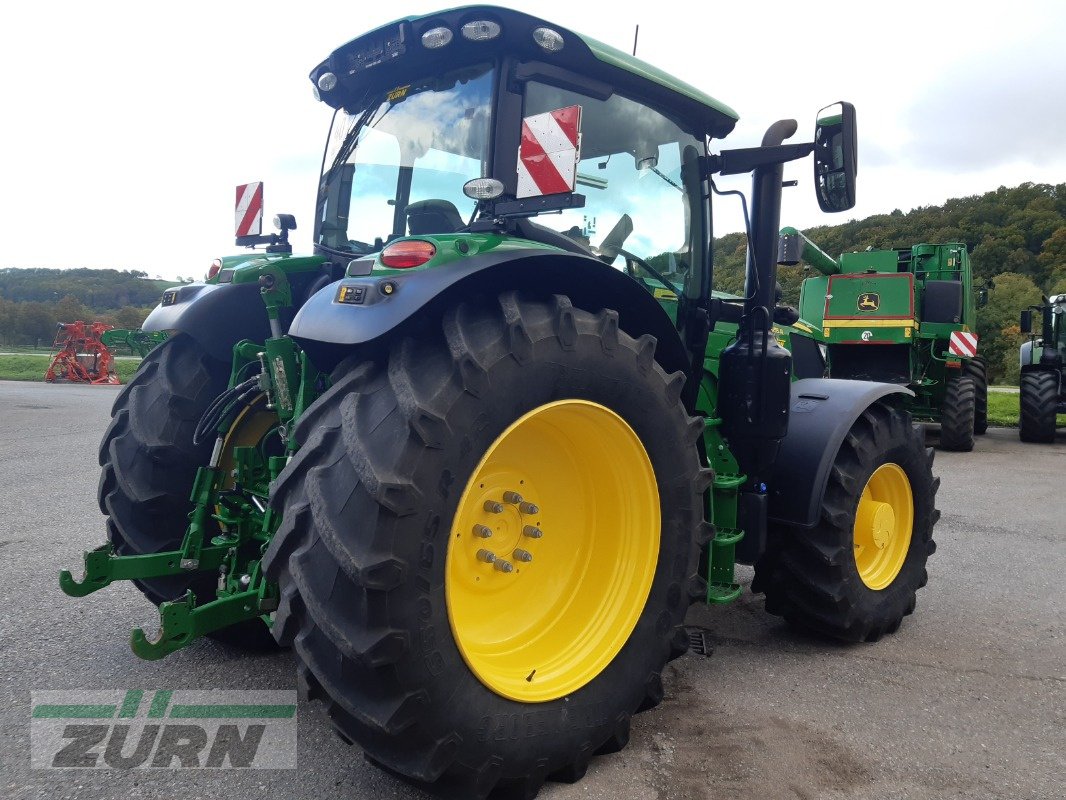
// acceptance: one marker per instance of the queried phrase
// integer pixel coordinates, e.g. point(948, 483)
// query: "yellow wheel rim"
point(544, 603)
point(248, 430)
point(884, 522)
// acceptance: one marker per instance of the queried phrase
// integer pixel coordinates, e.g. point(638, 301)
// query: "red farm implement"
point(79, 355)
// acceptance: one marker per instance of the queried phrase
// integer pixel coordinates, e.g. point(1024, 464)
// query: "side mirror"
point(982, 298)
point(1026, 321)
point(835, 157)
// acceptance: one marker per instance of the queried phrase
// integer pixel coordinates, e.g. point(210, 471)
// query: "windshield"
point(638, 191)
point(397, 165)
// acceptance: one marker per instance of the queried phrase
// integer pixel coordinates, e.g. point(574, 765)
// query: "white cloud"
point(126, 125)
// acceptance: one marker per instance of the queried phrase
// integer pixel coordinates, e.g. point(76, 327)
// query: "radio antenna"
point(636, 33)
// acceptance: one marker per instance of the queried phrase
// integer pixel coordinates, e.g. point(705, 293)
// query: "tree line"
point(1016, 237)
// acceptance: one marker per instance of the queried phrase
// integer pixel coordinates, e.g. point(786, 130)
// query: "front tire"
point(975, 369)
point(1038, 399)
point(442, 667)
point(855, 574)
point(957, 415)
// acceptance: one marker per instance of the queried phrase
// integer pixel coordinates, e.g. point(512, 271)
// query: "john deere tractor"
point(474, 457)
point(902, 316)
point(1043, 371)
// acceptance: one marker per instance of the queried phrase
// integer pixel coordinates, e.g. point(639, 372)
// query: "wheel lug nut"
point(493, 507)
point(514, 498)
point(523, 555)
point(486, 555)
point(503, 566)
point(483, 531)
point(532, 532)
point(528, 508)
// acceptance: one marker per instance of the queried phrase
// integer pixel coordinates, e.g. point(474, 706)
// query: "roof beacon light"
point(549, 40)
point(481, 30)
point(436, 38)
point(326, 81)
point(483, 189)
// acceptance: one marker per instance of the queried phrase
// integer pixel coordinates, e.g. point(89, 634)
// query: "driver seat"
point(433, 216)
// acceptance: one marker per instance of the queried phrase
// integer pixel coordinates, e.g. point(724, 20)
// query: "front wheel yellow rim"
point(552, 551)
point(884, 523)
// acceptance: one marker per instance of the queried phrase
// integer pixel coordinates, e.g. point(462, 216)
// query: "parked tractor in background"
point(474, 457)
point(904, 316)
point(80, 355)
point(1043, 371)
point(137, 342)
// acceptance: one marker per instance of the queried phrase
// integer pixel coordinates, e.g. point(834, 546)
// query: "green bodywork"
point(866, 308)
point(236, 498)
point(136, 341)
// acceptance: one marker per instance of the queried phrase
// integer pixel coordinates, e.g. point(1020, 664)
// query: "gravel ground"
point(967, 700)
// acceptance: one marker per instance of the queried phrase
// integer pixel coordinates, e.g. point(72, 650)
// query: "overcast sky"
point(127, 125)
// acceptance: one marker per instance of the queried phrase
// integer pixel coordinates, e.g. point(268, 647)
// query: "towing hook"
point(97, 575)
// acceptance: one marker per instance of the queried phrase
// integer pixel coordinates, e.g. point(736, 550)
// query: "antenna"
point(636, 33)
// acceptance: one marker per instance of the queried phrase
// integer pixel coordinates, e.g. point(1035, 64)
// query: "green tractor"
point(903, 316)
point(1043, 371)
point(474, 458)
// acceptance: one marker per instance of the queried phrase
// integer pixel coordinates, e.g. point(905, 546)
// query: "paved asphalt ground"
point(967, 700)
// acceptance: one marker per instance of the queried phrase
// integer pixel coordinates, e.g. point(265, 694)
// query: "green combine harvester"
point(903, 316)
point(474, 457)
point(1043, 371)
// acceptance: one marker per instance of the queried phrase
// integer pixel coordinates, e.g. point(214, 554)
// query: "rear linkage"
point(236, 500)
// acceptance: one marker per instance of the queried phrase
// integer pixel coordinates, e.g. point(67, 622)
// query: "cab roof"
point(398, 45)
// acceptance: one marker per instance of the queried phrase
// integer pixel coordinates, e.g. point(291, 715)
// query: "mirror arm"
point(746, 159)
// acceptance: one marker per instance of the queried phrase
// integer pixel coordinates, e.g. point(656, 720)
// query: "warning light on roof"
point(436, 38)
point(481, 30)
point(549, 40)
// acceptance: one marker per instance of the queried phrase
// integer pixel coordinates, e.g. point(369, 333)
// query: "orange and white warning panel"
point(963, 343)
point(248, 216)
point(549, 152)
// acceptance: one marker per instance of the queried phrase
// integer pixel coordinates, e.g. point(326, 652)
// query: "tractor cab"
point(588, 150)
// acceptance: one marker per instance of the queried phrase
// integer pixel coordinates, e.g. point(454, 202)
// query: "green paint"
point(131, 703)
point(232, 711)
point(160, 701)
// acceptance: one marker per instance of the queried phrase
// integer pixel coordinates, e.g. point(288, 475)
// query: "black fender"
point(376, 306)
point(217, 316)
point(821, 412)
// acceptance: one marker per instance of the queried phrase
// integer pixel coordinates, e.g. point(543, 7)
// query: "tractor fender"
point(217, 316)
point(821, 412)
point(360, 311)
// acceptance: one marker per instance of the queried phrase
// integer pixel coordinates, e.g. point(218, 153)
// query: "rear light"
point(407, 253)
point(216, 265)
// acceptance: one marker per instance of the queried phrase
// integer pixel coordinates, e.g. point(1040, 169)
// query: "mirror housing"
point(835, 157)
point(1026, 321)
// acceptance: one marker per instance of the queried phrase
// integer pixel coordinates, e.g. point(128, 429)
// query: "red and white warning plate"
point(963, 343)
point(549, 152)
point(249, 212)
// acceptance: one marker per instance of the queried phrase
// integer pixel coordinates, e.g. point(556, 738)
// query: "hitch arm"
point(181, 621)
point(102, 567)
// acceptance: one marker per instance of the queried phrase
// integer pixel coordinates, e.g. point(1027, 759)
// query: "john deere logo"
point(869, 301)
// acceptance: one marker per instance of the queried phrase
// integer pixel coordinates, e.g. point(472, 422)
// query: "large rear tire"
point(1038, 398)
point(148, 462)
point(854, 576)
point(445, 667)
point(975, 369)
point(957, 415)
